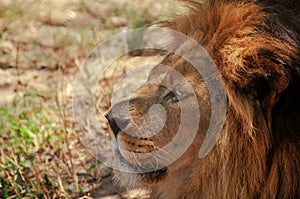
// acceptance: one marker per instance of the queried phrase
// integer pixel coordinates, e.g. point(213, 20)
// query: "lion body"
point(255, 46)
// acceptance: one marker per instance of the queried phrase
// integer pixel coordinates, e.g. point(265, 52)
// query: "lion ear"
point(263, 78)
point(271, 84)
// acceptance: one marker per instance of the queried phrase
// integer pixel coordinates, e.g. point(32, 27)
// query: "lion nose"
point(116, 123)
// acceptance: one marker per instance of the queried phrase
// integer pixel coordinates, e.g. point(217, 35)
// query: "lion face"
point(154, 118)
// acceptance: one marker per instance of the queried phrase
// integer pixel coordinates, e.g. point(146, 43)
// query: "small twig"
point(17, 59)
point(62, 114)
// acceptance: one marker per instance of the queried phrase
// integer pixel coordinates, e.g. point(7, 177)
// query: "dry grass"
point(42, 44)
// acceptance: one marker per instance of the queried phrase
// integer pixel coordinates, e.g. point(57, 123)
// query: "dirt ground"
point(12, 85)
point(42, 45)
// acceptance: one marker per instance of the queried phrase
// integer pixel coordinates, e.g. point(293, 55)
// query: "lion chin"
point(255, 46)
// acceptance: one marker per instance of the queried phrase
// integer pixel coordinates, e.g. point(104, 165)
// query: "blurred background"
point(42, 44)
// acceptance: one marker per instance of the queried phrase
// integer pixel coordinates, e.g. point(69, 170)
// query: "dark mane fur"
point(256, 46)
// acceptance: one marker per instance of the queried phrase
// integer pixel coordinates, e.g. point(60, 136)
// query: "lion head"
point(255, 47)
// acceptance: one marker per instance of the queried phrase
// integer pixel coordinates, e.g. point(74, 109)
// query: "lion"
point(255, 46)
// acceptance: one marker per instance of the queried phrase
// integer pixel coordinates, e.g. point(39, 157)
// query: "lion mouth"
point(154, 176)
point(146, 174)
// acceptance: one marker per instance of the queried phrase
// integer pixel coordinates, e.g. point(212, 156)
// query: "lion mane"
point(256, 48)
point(255, 45)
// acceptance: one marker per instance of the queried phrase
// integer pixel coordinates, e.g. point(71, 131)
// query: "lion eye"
point(171, 97)
point(174, 95)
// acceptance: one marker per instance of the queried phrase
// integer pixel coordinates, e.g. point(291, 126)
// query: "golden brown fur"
point(255, 45)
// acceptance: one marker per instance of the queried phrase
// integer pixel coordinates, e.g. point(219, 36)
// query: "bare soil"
point(42, 45)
